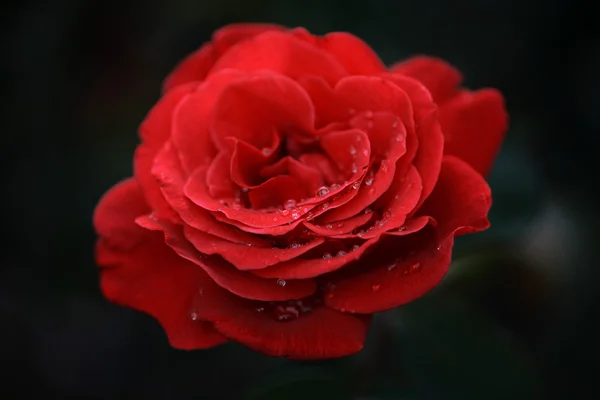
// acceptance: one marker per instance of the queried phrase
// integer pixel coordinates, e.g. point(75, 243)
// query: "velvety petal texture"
point(287, 186)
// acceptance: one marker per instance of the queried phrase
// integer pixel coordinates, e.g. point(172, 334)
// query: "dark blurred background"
point(515, 318)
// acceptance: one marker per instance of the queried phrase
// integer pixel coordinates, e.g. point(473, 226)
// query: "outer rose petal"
point(195, 67)
point(149, 276)
point(321, 333)
point(354, 54)
point(474, 124)
point(115, 214)
point(437, 75)
point(459, 204)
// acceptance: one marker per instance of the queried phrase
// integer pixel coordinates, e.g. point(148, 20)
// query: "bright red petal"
point(354, 54)
point(474, 124)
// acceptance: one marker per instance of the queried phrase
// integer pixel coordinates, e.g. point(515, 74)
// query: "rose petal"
point(190, 132)
point(283, 53)
point(276, 192)
point(461, 200)
point(218, 178)
point(134, 275)
point(306, 268)
point(247, 161)
point(354, 54)
point(339, 229)
point(388, 279)
point(238, 282)
point(474, 124)
point(438, 76)
point(350, 150)
point(245, 257)
point(307, 177)
point(195, 67)
point(320, 333)
point(251, 106)
point(385, 131)
point(154, 131)
point(170, 175)
point(116, 212)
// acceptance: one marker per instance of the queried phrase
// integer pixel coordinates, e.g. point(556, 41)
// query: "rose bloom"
point(287, 186)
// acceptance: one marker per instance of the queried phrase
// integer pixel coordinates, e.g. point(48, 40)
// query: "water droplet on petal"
point(395, 123)
point(341, 253)
point(295, 214)
point(356, 185)
point(415, 267)
point(392, 266)
point(339, 225)
point(352, 150)
point(354, 168)
point(366, 152)
point(275, 219)
point(368, 210)
point(355, 247)
point(266, 151)
point(439, 247)
point(323, 191)
point(335, 186)
point(245, 189)
point(294, 245)
point(387, 214)
point(285, 212)
point(402, 228)
point(193, 316)
point(397, 138)
point(289, 204)
point(376, 288)
point(369, 181)
point(327, 255)
point(260, 309)
point(325, 206)
point(281, 282)
point(372, 191)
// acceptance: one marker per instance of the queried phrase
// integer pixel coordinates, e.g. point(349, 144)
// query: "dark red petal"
point(245, 257)
point(389, 279)
point(172, 181)
point(252, 106)
point(191, 122)
point(306, 268)
point(230, 35)
point(283, 53)
point(461, 200)
point(116, 212)
point(247, 161)
point(438, 76)
point(420, 97)
point(195, 67)
point(474, 124)
point(238, 282)
point(276, 192)
point(350, 150)
point(151, 278)
point(428, 159)
point(307, 177)
point(354, 54)
point(411, 226)
point(320, 333)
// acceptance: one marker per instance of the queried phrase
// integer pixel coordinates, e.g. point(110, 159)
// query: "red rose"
point(288, 186)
